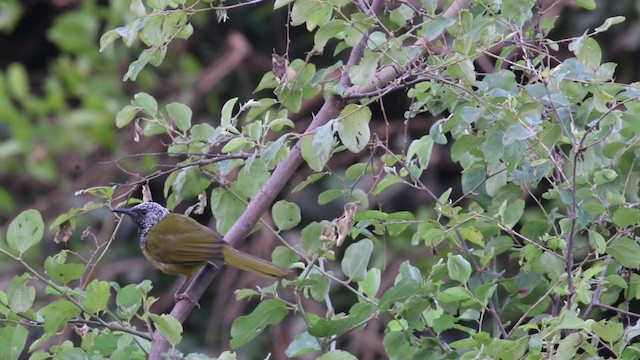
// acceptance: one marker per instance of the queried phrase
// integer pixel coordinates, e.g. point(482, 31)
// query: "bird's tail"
point(252, 264)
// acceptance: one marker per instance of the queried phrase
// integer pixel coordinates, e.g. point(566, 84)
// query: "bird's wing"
point(179, 239)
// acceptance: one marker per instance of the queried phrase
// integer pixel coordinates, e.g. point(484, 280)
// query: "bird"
point(179, 245)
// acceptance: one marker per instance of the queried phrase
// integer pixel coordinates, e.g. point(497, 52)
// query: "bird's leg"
point(182, 295)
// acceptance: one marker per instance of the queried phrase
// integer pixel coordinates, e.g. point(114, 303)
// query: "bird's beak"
point(122, 211)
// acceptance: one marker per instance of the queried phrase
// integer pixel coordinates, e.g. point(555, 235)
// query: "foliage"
point(530, 255)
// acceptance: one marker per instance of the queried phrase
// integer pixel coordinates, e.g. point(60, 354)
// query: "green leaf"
point(459, 268)
point(452, 294)
point(356, 258)
point(328, 196)
point(286, 215)
point(180, 114)
point(169, 326)
point(464, 70)
point(202, 132)
point(309, 180)
point(97, 296)
point(398, 293)
point(517, 132)
point(252, 178)
point(608, 330)
point(284, 256)
point(235, 144)
point(311, 237)
point(25, 231)
point(434, 28)
point(152, 128)
point(513, 213)
point(568, 346)
point(17, 80)
point(337, 324)
point(57, 268)
point(588, 51)
point(355, 171)
point(318, 285)
point(421, 149)
point(363, 73)
point(324, 141)
point(57, 314)
point(226, 208)
point(20, 295)
point(587, 4)
point(227, 113)
point(280, 3)
point(337, 355)
point(302, 344)
point(353, 129)
point(327, 32)
point(189, 183)
point(371, 283)
point(626, 252)
point(107, 38)
point(147, 102)
point(246, 328)
point(597, 242)
point(609, 22)
point(13, 340)
point(317, 148)
point(128, 300)
point(625, 217)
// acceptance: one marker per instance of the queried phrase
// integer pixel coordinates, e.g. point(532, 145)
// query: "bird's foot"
point(183, 296)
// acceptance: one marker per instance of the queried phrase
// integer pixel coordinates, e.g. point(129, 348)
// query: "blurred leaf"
point(17, 81)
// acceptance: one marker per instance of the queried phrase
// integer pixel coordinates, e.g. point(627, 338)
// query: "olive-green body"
point(178, 244)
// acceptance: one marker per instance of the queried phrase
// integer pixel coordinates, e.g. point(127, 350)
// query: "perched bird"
point(179, 245)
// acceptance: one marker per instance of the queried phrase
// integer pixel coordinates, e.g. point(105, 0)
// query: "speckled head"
point(145, 215)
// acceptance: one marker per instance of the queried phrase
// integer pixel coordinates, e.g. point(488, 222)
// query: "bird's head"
point(144, 215)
